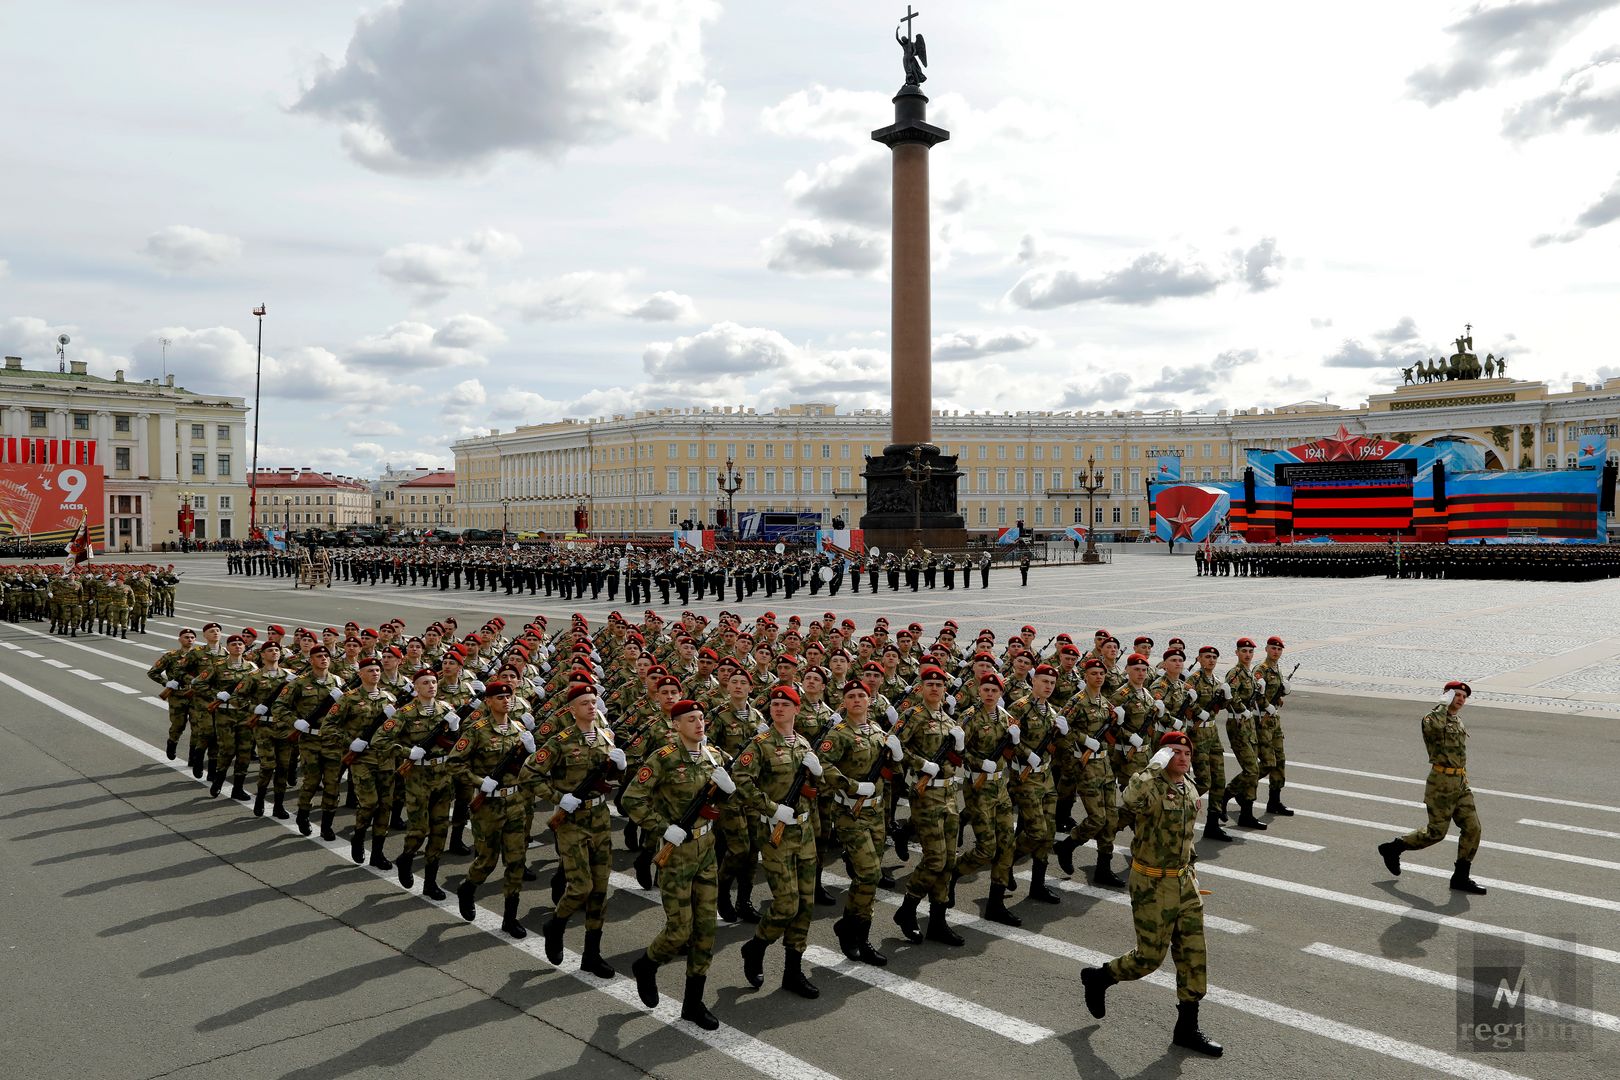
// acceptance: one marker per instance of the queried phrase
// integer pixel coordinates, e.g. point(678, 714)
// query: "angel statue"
point(915, 50)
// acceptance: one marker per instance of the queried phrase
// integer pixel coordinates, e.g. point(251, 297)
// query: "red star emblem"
point(1181, 525)
point(1343, 446)
point(1588, 449)
point(1182, 508)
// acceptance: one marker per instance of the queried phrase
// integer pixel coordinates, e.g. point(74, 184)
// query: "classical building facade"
point(645, 472)
point(300, 499)
point(427, 501)
point(158, 444)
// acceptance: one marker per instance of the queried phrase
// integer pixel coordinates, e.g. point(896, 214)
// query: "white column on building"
point(142, 465)
point(60, 425)
point(167, 466)
point(102, 430)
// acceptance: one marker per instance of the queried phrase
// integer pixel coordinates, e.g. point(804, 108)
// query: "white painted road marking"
point(120, 688)
point(1605, 833)
point(1542, 853)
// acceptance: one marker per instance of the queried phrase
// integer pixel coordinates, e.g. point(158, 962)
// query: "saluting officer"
point(1446, 794)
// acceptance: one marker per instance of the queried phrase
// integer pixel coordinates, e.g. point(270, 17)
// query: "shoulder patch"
point(644, 775)
point(388, 725)
point(664, 751)
point(826, 745)
point(746, 759)
point(543, 756)
point(462, 743)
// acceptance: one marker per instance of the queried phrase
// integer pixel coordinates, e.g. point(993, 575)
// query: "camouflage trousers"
point(1169, 914)
point(68, 615)
point(934, 818)
point(118, 616)
point(319, 767)
point(428, 791)
point(373, 794)
point(990, 814)
point(1066, 773)
point(501, 834)
point(1268, 738)
point(179, 715)
point(1209, 763)
point(1448, 799)
point(1096, 793)
point(863, 839)
point(585, 848)
point(739, 842)
point(235, 744)
point(689, 886)
point(1036, 801)
point(275, 760)
point(790, 872)
point(1240, 733)
point(202, 724)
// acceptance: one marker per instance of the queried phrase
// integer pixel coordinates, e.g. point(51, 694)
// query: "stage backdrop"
point(46, 502)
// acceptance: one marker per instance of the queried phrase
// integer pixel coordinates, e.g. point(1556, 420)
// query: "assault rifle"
point(253, 715)
point(706, 797)
point(595, 782)
point(1044, 748)
point(318, 713)
point(882, 768)
point(371, 732)
point(427, 742)
point(1002, 751)
point(798, 790)
point(947, 752)
point(506, 769)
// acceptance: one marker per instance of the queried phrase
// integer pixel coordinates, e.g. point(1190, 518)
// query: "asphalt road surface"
point(151, 931)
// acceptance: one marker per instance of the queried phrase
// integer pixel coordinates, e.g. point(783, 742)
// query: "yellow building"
point(302, 499)
point(646, 472)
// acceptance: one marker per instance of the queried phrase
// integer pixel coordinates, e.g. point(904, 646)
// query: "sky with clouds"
point(466, 214)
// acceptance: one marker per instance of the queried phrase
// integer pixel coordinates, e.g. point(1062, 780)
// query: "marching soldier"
point(1094, 724)
point(257, 693)
point(856, 764)
point(421, 735)
point(215, 686)
point(1245, 689)
point(494, 747)
point(1446, 794)
point(1268, 729)
point(932, 746)
point(173, 671)
point(991, 739)
point(1165, 903)
point(682, 775)
point(359, 717)
point(1043, 731)
point(1209, 758)
point(306, 703)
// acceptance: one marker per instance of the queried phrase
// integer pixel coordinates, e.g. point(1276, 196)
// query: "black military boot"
point(303, 821)
point(258, 803)
point(1212, 827)
point(938, 929)
point(793, 977)
point(1064, 850)
point(1462, 882)
point(215, 784)
point(644, 876)
point(406, 860)
point(278, 811)
point(863, 934)
point(530, 875)
point(844, 931)
point(746, 911)
point(553, 933)
point(902, 833)
point(123, 633)
point(996, 910)
point(723, 906)
point(327, 817)
point(169, 748)
point(1065, 815)
point(906, 918)
point(692, 1007)
point(239, 789)
point(512, 928)
point(195, 760)
point(1274, 803)
point(591, 960)
point(430, 881)
point(1096, 980)
point(1246, 818)
point(753, 954)
point(645, 969)
point(1225, 799)
point(467, 899)
point(1187, 1034)
point(396, 819)
point(1037, 884)
point(1391, 852)
point(458, 843)
point(378, 859)
point(1103, 874)
point(559, 885)
point(823, 897)
point(631, 835)
point(357, 846)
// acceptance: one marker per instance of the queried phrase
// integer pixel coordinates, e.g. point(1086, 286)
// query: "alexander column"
point(911, 488)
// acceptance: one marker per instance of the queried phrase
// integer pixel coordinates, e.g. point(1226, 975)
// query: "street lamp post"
point(1092, 485)
point(506, 506)
point(730, 482)
point(253, 489)
point(917, 472)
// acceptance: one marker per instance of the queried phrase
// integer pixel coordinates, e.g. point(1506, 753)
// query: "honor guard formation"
point(1515, 562)
point(720, 753)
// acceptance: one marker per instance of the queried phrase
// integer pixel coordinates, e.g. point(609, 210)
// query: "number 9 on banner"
point(72, 483)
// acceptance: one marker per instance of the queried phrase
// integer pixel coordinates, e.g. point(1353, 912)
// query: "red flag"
point(79, 547)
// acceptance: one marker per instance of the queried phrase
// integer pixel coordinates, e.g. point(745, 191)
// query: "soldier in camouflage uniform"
point(1141, 712)
point(733, 725)
point(581, 751)
point(1165, 903)
point(255, 696)
point(1446, 794)
point(1268, 729)
point(1246, 690)
point(216, 685)
point(173, 671)
point(69, 605)
point(1030, 782)
point(1092, 729)
point(932, 745)
point(765, 772)
point(420, 736)
point(307, 703)
point(359, 717)
point(1209, 758)
point(661, 793)
point(140, 606)
point(204, 742)
point(992, 740)
point(849, 753)
point(493, 747)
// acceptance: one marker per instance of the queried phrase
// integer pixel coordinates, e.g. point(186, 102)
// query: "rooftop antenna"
point(61, 353)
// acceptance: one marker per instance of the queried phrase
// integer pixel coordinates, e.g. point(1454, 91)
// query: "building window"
point(748, 451)
point(826, 451)
point(826, 479)
point(843, 451)
point(224, 463)
point(1001, 515)
point(770, 481)
point(199, 502)
point(225, 502)
point(672, 480)
point(1018, 452)
point(1116, 515)
point(1118, 479)
point(770, 450)
point(1040, 515)
point(1136, 515)
point(1001, 481)
point(1040, 452)
point(81, 421)
point(199, 529)
point(199, 464)
point(1079, 514)
point(1098, 516)
point(672, 518)
point(121, 459)
point(222, 433)
point(1115, 449)
point(36, 418)
point(843, 479)
point(984, 515)
point(224, 528)
point(751, 480)
point(120, 423)
point(197, 431)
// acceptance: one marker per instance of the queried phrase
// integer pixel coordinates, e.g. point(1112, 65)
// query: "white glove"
point(761, 728)
point(1158, 706)
point(1015, 735)
point(336, 693)
point(723, 781)
point(1260, 686)
point(477, 686)
point(950, 706)
point(616, 756)
point(1286, 686)
point(388, 711)
point(171, 685)
point(812, 763)
point(894, 717)
point(453, 722)
point(1178, 725)
point(784, 814)
point(222, 696)
point(261, 710)
point(895, 749)
point(1034, 760)
point(527, 740)
point(865, 789)
point(417, 753)
point(1226, 691)
point(527, 720)
point(959, 737)
point(1092, 744)
point(358, 746)
point(1162, 758)
point(988, 766)
point(488, 785)
point(568, 803)
point(301, 726)
point(675, 835)
point(1062, 725)
point(931, 768)
point(1203, 716)
point(1136, 742)
point(1119, 714)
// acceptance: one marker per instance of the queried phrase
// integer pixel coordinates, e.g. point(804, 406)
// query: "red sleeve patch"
point(462, 743)
point(388, 725)
point(542, 757)
point(826, 745)
point(644, 775)
point(747, 758)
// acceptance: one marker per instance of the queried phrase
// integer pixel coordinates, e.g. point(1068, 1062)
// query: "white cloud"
point(852, 188)
point(709, 117)
point(588, 293)
point(1261, 265)
point(665, 306)
point(832, 115)
point(34, 340)
point(1499, 40)
point(1149, 278)
point(1588, 97)
point(410, 346)
point(1600, 213)
point(723, 349)
point(973, 344)
point(219, 360)
point(430, 272)
point(814, 247)
point(430, 86)
point(180, 249)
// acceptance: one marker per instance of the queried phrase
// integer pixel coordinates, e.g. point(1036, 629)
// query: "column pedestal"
point(891, 520)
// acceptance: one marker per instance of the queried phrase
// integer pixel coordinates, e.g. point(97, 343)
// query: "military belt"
point(851, 800)
point(698, 831)
point(505, 792)
point(440, 760)
point(945, 782)
point(1449, 771)
point(798, 819)
point(1157, 872)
